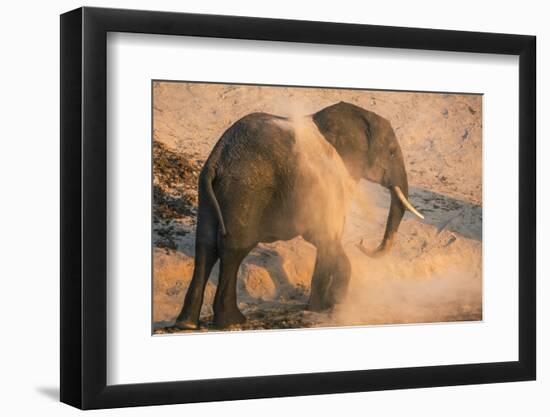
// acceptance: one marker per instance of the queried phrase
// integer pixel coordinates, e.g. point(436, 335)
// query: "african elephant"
point(272, 178)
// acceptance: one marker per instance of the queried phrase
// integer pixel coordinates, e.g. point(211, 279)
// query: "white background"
point(134, 356)
point(29, 213)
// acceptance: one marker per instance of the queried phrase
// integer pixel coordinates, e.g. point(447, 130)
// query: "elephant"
point(271, 178)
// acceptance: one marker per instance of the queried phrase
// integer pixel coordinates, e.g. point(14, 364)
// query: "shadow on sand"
point(444, 212)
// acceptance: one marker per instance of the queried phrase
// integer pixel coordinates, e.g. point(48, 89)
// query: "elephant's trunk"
point(399, 203)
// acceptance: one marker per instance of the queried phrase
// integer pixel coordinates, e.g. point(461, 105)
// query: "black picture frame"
point(84, 207)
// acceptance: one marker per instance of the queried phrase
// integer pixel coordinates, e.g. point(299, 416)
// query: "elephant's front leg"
point(341, 276)
point(320, 282)
point(331, 277)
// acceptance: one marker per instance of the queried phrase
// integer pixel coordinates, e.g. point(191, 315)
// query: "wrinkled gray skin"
point(250, 191)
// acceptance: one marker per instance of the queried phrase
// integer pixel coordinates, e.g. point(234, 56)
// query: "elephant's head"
point(368, 146)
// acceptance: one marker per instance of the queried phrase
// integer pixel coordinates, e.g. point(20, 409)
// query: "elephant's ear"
point(327, 130)
point(372, 126)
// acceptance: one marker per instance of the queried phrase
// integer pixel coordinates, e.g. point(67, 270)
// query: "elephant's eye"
point(392, 154)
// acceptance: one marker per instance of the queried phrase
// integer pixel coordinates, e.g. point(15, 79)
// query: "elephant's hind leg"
point(205, 258)
point(206, 255)
point(226, 312)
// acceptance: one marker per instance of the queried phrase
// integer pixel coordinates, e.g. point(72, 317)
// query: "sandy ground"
point(434, 271)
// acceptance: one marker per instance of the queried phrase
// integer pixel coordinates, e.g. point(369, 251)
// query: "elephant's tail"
point(210, 192)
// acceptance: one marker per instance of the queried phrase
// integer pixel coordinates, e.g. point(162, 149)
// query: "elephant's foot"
point(225, 319)
point(318, 305)
point(186, 324)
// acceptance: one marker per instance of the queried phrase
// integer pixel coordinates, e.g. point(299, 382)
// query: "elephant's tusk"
point(406, 202)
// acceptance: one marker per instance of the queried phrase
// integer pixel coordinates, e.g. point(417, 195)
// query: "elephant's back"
point(277, 178)
point(256, 148)
point(253, 170)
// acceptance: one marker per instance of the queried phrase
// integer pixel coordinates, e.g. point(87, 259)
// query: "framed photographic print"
point(258, 207)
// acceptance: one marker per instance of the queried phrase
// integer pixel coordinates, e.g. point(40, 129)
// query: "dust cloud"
point(427, 277)
point(326, 188)
point(402, 287)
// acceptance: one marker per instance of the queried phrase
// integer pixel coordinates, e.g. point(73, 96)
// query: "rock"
point(256, 282)
point(298, 260)
point(290, 264)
